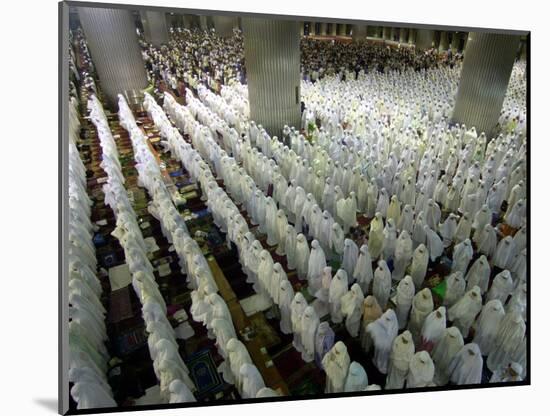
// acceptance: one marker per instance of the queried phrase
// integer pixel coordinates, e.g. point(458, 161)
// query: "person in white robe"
point(421, 371)
point(503, 252)
point(394, 210)
point(487, 241)
point(418, 234)
point(463, 313)
point(286, 296)
point(316, 263)
point(463, 229)
point(403, 255)
point(419, 265)
point(433, 329)
point(404, 299)
point(357, 379)
point(406, 221)
point(383, 202)
point(252, 381)
point(267, 392)
point(517, 215)
point(390, 240)
point(478, 274)
point(433, 243)
point(487, 324)
point(444, 352)
point(281, 225)
point(382, 332)
point(502, 287)
point(371, 312)
point(467, 366)
point(302, 256)
point(338, 288)
point(432, 214)
point(352, 309)
point(362, 271)
point(180, 393)
point(518, 301)
point(351, 253)
point(510, 335)
point(297, 308)
point(308, 328)
point(91, 395)
point(422, 306)
point(481, 219)
point(376, 236)
point(401, 354)
point(508, 374)
point(455, 288)
point(462, 255)
point(336, 364)
point(237, 356)
point(290, 247)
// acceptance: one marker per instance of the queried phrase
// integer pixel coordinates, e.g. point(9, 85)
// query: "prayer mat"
point(120, 305)
point(204, 373)
point(130, 341)
point(119, 277)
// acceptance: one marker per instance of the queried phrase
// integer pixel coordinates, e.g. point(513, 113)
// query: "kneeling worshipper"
point(444, 352)
point(336, 364)
point(362, 272)
point(381, 285)
point(252, 381)
point(467, 365)
point(308, 330)
point(180, 393)
point(433, 329)
point(338, 288)
point(511, 333)
point(487, 325)
point(510, 373)
point(297, 308)
point(324, 341)
point(90, 395)
point(463, 313)
point(316, 263)
point(267, 392)
point(419, 265)
point(371, 312)
point(404, 299)
point(237, 356)
point(422, 306)
point(352, 304)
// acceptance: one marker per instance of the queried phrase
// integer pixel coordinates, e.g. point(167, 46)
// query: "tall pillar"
point(188, 21)
point(333, 31)
point(424, 39)
point(392, 33)
point(272, 55)
point(302, 28)
point(224, 25)
point(341, 29)
point(484, 79)
point(443, 41)
point(323, 29)
point(412, 36)
point(386, 34)
point(402, 35)
point(157, 30)
point(113, 43)
point(455, 42)
point(203, 22)
point(358, 33)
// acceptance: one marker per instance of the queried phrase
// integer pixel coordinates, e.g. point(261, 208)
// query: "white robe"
point(444, 352)
point(463, 313)
point(286, 295)
point(511, 333)
point(422, 306)
point(401, 354)
point(252, 381)
point(352, 309)
point(478, 274)
point(336, 364)
point(502, 287)
point(419, 265)
point(403, 255)
point(456, 286)
point(362, 272)
point(356, 379)
point(351, 253)
point(302, 256)
point(462, 255)
point(338, 288)
point(467, 365)
point(308, 329)
point(316, 263)
point(487, 325)
point(421, 370)
point(383, 331)
point(404, 298)
point(297, 308)
point(434, 327)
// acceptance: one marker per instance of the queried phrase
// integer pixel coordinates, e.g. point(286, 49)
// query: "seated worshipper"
point(308, 329)
point(322, 303)
point(371, 312)
point(487, 241)
point(381, 285)
point(404, 299)
point(421, 371)
point(338, 288)
point(216, 308)
point(422, 306)
point(467, 366)
point(316, 263)
point(267, 392)
point(403, 255)
point(463, 229)
point(337, 239)
point(336, 364)
point(390, 240)
point(252, 381)
point(455, 288)
point(290, 247)
point(237, 356)
point(297, 308)
point(90, 395)
point(444, 352)
point(511, 333)
point(419, 265)
point(510, 373)
point(478, 275)
point(180, 393)
point(487, 325)
point(324, 340)
point(401, 354)
point(362, 271)
point(382, 332)
point(433, 329)
point(463, 313)
point(352, 309)
point(357, 379)
point(503, 252)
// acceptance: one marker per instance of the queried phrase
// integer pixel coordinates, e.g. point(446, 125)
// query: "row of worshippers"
point(310, 316)
point(88, 356)
point(207, 306)
point(163, 348)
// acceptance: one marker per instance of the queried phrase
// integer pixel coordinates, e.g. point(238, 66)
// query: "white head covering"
point(383, 331)
point(421, 370)
point(357, 379)
point(252, 381)
point(467, 365)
